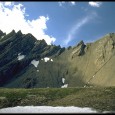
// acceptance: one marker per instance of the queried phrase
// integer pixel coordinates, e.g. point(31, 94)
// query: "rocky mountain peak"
point(79, 49)
point(12, 32)
point(19, 32)
point(104, 49)
point(77, 65)
point(43, 42)
point(2, 34)
point(81, 43)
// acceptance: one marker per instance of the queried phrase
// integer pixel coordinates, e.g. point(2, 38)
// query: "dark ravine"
point(90, 64)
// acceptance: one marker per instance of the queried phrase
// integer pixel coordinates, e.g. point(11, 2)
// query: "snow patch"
point(64, 86)
point(46, 59)
point(20, 57)
point(35, 43)
point(52, 60)
point(63, 80)
point(47, 109)
point(35, 63)
point(42, 59)
point(19, 54)
point(2, 36)
point(37, 70)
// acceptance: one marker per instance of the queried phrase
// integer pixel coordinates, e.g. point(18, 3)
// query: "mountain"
point(26, 62)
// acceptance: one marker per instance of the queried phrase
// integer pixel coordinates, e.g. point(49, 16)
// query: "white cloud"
point(61, 3)
point(95, 4)
point(72, 3)
point(15, 18)
point(8, 3)
point(78, 26)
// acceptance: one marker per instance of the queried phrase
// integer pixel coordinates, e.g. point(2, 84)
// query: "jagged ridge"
point(88, 64)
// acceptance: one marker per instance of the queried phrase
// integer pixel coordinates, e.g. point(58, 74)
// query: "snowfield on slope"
point(35, 63)
point(47, 109)
point(20, 57)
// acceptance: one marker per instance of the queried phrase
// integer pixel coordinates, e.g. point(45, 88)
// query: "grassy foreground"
point(102, 99)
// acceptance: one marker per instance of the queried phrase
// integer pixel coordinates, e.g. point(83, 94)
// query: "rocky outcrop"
point(79, 49)
point(15, 44)
point(2, 34)
point(77, 65)
point(104, 50)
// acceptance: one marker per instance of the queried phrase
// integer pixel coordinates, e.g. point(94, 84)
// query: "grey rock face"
point(75, 64)
point(104, 50)
point(79, 49)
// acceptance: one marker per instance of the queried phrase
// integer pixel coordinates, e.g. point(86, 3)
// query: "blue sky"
point(59, 23)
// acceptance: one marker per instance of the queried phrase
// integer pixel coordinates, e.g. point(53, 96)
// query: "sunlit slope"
point(95, 66)
point(90, 64)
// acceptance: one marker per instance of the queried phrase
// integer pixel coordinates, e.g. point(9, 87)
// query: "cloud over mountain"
point(13, 16)
point(95, 4)
point(79, 24)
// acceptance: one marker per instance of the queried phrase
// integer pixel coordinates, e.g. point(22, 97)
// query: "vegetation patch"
point(99, 98)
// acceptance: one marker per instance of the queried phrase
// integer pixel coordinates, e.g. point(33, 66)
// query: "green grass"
point(101, 99)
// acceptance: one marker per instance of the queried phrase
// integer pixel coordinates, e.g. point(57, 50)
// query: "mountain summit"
point(27, 62)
